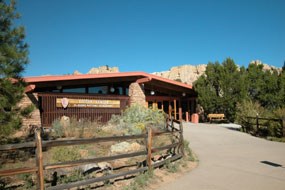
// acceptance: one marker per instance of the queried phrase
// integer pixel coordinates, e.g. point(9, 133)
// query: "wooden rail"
point(173, 127)
point(258, 123)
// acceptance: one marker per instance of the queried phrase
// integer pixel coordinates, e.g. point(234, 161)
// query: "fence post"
point(283, 126)
point(257, 124)
point(172, 125)
point(181, 138)
point(149, 146)
point(39, 159)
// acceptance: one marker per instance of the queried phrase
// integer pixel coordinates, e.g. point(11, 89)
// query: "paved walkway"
point(231, 160)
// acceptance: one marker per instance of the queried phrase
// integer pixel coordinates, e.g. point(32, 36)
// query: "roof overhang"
point(149, 81)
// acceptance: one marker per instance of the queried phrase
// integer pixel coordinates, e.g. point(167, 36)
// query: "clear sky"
point(150, 35)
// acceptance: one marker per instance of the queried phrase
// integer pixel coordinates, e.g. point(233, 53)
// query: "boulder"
point(65, 121)
point(124, 147)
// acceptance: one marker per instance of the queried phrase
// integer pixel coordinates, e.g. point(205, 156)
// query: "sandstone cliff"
point(101, 69)
point(190, 73)
point(185, 73)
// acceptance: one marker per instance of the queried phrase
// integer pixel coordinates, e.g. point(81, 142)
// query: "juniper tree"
point(13, 59)
point(221, 88)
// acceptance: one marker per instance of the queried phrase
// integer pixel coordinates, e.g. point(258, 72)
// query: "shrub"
point(267, 127)
point(140, 181)
point(57, 129)
point(247, 108)
point(82, 128)
point(188, 152)
point(136, 118)
point(76, 175)
point(63, 154)
point(171, 167)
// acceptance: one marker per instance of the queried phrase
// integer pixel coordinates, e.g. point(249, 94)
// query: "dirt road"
point(231, 160)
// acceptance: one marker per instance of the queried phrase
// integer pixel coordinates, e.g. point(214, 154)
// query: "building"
point(98, 96)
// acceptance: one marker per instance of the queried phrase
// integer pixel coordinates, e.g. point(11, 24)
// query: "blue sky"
point(150, 35)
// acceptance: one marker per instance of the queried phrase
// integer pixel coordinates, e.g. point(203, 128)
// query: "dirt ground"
point(164, 177)
point(161, 177)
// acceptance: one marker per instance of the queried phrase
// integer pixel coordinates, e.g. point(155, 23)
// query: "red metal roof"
point(139, 75)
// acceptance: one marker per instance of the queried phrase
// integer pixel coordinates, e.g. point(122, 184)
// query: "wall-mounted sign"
point(87, 103)
point(64, 102)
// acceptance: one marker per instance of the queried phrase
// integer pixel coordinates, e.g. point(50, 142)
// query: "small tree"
point(13, 59)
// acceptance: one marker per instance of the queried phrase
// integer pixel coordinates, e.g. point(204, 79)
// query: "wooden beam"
point(92, 160)
point(17, 146)
point(17, 171)
point(89, 141)
point(144, 80)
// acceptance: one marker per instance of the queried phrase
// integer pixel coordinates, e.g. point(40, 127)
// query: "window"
point(98, 90)
point(74, 90)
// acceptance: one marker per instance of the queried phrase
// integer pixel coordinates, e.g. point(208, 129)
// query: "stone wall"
point(136, 94)
point(35, 117)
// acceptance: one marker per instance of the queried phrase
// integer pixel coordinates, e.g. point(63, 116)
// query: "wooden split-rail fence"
point(259, 122)
point(173, 127)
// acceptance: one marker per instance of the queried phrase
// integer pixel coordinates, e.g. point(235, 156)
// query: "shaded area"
point(271, 164)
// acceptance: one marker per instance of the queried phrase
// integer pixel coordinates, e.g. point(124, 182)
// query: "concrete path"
point(231, 160)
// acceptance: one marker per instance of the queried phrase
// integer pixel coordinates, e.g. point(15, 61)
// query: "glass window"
point(98, 90)
point(74, 90)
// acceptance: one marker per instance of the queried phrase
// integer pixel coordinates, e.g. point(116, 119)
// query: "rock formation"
point(265, 66)
point(103, 69)
point(185, 73)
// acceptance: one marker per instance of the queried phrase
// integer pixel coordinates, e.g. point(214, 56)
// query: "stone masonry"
point(34, 118)
point(136, 94)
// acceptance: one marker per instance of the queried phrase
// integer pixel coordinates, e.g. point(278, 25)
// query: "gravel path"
point(231, 160)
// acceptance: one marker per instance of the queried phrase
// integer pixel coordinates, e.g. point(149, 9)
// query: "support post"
point(39, 159)
point(175, 115)
point(180, 113)
point(149, 147)
point(257, 124)
point(169, 109)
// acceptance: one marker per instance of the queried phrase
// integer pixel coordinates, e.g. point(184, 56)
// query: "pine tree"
point(13, 59)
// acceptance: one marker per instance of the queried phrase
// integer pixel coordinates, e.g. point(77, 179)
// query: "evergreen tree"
point(221, 88)
point(282, 87)
point(13, 59)
point(264, 86)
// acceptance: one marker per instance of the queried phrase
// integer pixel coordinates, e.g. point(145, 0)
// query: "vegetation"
point(242, 92)
point(13, 59)
point(136, 118)
point(141, 181)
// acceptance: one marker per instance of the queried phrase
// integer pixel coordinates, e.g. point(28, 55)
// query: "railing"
point(259, 122)
point(39, 144)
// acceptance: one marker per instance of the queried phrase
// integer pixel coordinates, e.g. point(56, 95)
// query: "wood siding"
point(50, 112)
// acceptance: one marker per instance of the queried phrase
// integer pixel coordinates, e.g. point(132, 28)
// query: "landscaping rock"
point(65, 121)
point(125, 147)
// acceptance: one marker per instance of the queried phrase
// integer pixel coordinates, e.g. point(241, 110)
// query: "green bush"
point(266, 127)
point(247, 108)
point(82, 128)
point(64, 154)
point(76, 175)
point(57, 129)
point(171, 167)
point(136, 118)
point(188, 152)
point(141, 181)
